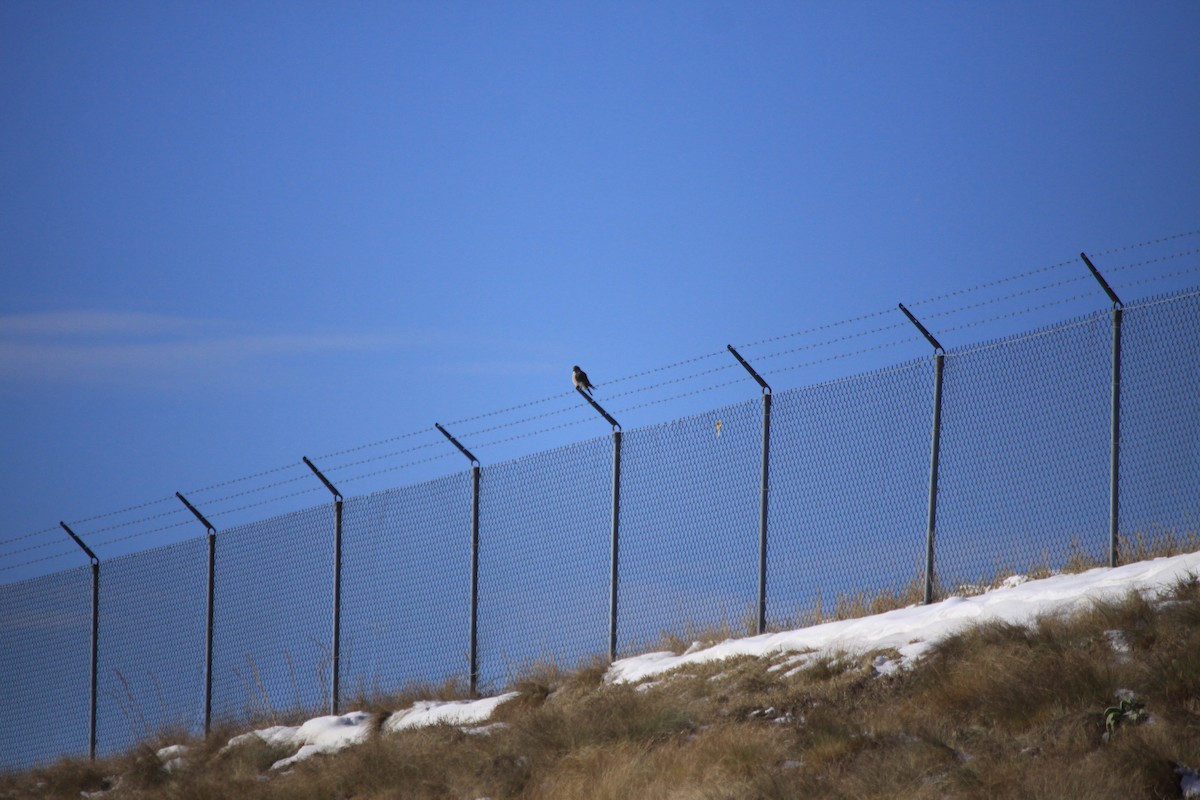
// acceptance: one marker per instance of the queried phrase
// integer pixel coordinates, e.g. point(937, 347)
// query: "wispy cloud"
point(91, 346)
point(102, 323)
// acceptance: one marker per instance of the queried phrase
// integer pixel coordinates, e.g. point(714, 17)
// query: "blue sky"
point(233, 234)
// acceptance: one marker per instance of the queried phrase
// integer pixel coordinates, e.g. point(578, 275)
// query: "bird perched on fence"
point(580, 379)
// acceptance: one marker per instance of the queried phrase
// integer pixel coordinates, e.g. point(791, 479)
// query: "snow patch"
point(912, 631)
point(1189, 781)
point(172, 757)
point(456, 712)
point(329, 734)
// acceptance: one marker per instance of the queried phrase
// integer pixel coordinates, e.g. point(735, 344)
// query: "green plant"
point(1128, 710)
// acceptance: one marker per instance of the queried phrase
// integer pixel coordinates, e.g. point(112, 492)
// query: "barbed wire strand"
point(990, 284)
point(244, 478)
point(1014, 295)
point(522, 421)
point(658, 401)
point(127, 537)
point(696, 359)
point(1147, 243)
point(399, 467)
point(560, 426)
point(872, 348)
point(681, 396)
point(218, 513)
point(639, 390)
point(63, 554)
point(108, 514)
point(664, 368)
point(518, 407)
point(565, 395)
point(837, 340)
point(815, 329)
point(275, 485)
point(1158, 260)
point(1017, 313)
point(29, 535)
point(1176, 274)
point(656, 370)
point(32, 547)
point(173, 512)
point(268, 501)
point(388, 440)
point(731, 365)
point(701, 390)
point(372, 459)
point(209, 502)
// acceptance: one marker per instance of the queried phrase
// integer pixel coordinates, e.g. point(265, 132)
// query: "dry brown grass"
point(1000, 711)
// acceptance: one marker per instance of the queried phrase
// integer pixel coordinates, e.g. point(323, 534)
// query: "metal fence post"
point(764, 484)
point(473, 645)
point(614, 560)
point(1114, 465)
point(95, 638)
point(614, 573)
point(939, 355)
point(934, 452)
point(473, 642)
point(212, 596)
point(335, 670)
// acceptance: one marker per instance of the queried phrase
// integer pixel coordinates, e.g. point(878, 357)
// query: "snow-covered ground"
point(912, 631)
point(908, 631)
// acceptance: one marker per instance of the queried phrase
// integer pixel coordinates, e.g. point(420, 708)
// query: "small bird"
point(580, 379)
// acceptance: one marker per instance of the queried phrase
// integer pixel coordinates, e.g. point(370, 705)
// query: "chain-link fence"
point(272, 616)
point(405, 594)
point(689, 532)
point(152, 624)
point(1023, 484)
point(545, 525)
point(849, 486)
point(45, 656)
point(1160, 422)
point(1024, 474)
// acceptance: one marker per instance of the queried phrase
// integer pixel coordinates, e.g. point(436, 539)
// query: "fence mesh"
point(544, 555)
point(45, 668)
point(1023, 484)
point(273, 623)
point(849, 483)
point(1024, 472)
point(690, 494)
point(1160, 424)
point(406, 556)
point(152, 634)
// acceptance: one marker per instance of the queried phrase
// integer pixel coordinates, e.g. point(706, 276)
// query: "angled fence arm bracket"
point(937, 346)
point(1116, 301)
point(607, 417)
point(474, 461)
point(766, 389)
point(336, 494)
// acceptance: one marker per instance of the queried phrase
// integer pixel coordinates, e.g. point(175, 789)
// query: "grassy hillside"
point(1105, 703)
